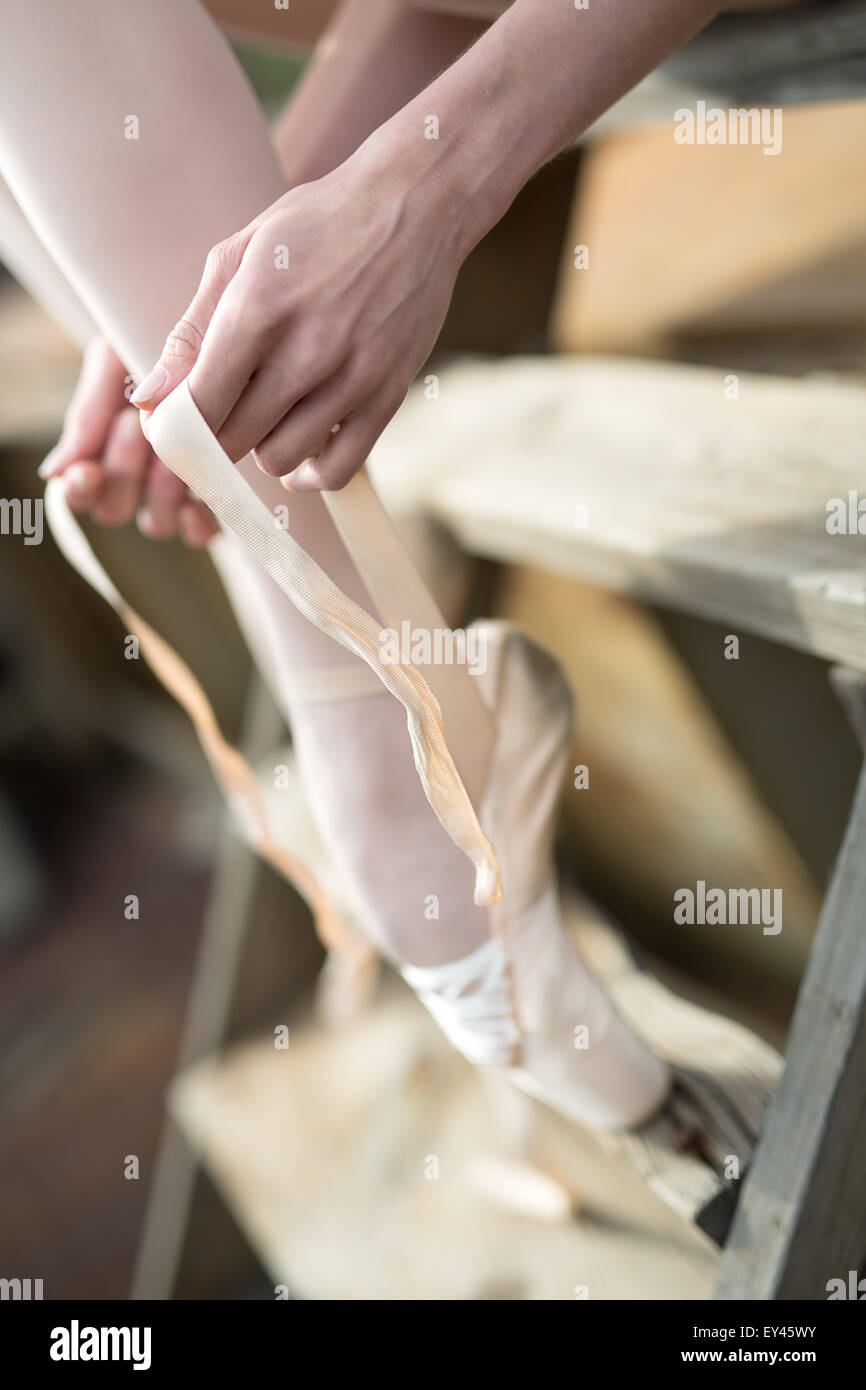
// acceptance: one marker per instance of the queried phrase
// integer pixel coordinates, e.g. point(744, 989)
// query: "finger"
point(345, 452)
point(83, 484)
point(197, 523)
point(308, 427)
point(184, 342)
point(282, 392)
point(91, 411)
point(239, 340)
point(164, 496)
point(125, 463)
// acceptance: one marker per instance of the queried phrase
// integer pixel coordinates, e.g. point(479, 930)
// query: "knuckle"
point(183, 341)
point(363, 376)
point(393, 394)
point(367, 380)
point(249, 302)
point(315, 347)
point(221, 259)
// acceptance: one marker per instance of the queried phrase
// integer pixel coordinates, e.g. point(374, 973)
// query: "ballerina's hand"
point(108, 467)
point(318, 314)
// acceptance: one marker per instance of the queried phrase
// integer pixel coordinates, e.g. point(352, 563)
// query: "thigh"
point(133, 144)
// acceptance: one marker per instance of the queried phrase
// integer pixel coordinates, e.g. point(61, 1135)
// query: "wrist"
point(463, 148)
point(416, 171)
point(535, 81)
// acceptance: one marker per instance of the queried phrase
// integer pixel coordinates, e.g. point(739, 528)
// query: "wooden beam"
point(851, 690)
point(801, 1220)
point(815, 52)
point(651, 478)
point(663, 227)
point(236, 872)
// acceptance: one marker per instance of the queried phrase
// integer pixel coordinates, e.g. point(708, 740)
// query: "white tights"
point(132, 143)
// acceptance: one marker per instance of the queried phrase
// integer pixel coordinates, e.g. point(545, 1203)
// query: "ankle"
point(413, 887)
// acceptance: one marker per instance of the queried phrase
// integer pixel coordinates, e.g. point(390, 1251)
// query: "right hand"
point(108, 467)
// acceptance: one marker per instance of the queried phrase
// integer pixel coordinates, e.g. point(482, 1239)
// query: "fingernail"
point(153, 382)
point(288, 478)
point(305, 475)
point(48, 464)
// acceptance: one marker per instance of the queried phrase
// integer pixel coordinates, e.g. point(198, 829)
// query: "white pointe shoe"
point(524, 1000)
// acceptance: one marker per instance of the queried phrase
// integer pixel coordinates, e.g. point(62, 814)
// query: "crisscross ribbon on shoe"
point(471, 1000)
point(183, 440)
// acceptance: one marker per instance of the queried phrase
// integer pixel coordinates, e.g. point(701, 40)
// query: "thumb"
point(184, 342)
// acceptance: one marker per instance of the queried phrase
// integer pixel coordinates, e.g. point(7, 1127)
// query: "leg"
point(130, 224)
point(23, 253)
point(169, 156)
point(115, 471)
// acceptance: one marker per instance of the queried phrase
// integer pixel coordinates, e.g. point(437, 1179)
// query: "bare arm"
point(321, 311)
point(374, 56)
point(535, 80)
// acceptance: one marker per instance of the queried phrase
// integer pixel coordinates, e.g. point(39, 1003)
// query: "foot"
point(505, 984)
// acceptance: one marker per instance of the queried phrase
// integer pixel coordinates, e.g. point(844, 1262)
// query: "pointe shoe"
point(524, 1001)
point(518, 1001)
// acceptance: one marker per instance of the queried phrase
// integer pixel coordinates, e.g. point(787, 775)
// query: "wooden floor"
point(359, 1168)
point(370, 1161)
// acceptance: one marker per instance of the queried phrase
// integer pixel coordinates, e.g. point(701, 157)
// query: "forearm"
point(533, 82)
point(374, 57)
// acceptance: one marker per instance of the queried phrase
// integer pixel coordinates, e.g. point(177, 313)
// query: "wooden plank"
point(714, 505)
point(724, 1076)
point(663, 223)
point(813, 52)
point(657, 759)
point(802, 1215)
point(322, 1154)
point(851, 690)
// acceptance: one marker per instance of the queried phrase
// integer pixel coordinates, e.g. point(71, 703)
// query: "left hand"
point(318, 314)
point(108, 468)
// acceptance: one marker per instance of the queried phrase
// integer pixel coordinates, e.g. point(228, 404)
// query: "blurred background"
point(104, 791)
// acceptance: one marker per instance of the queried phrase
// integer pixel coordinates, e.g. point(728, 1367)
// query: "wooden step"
point(640, 193)
point(814, 52)
point(645, 476)
point(695, 1154)
point(327, 1153)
